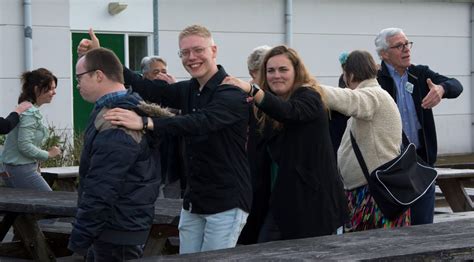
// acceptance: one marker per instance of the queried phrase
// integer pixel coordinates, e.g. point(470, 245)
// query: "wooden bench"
point(22, 208)
point(439, 218)
point(62, 178)
point(453, 184)
point(441, 241)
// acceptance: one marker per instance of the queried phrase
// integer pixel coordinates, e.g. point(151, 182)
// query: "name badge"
point(409, 87)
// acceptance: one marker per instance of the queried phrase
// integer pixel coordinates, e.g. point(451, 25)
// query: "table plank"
point(64, 171)
point(60, 203)
point(441, 241)
point(449, 173)
point(452, 183)
point(26, 204)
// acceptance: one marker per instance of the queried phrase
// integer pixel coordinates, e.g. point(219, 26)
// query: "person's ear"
point(384, 55)
point(214, 51)
point(99, 75)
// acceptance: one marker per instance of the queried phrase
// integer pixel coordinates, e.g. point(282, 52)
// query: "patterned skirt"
point(365, 214)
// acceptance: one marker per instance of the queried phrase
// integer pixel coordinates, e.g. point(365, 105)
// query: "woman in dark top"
point(8, 123)
point(304, 192)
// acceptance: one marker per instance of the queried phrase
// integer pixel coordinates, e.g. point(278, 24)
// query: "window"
point(137, 49)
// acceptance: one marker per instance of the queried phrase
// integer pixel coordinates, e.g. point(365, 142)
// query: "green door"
point(81, 108)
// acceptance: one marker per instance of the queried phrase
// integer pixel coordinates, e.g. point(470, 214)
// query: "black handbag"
point(398, 183)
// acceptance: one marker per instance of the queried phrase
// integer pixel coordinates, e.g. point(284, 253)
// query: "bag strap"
point(359, 156)
point(405, 141)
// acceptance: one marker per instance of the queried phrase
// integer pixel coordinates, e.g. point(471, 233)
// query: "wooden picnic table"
point(453, 183)
point(65, 177)
point(21, 209)
point(432, 242)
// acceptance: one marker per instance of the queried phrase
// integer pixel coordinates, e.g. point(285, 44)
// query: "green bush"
point(71, 148)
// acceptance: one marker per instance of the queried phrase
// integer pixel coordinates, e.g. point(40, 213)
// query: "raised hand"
point(88, 44)
point(434, 96)
point(166, 77)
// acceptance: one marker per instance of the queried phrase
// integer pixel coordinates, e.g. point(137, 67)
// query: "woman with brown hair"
point(304, 192)
point(22, 149)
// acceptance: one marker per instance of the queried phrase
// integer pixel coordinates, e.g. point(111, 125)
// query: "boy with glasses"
point(416, 90)
point(118, 179)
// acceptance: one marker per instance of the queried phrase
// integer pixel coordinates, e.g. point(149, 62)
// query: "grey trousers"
point(25, 176)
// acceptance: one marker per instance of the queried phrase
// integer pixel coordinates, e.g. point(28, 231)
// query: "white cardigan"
point(375, 123)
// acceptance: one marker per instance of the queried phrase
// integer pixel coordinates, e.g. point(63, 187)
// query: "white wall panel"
point(138, 17)
point(453, 133)
point(369, 17)
point(223, 15)
point(9, 92)
point(50, 12)
point(11, 12)
point(11, 51)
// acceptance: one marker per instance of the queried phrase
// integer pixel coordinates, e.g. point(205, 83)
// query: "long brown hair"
point(302, 79)
point(40, 78)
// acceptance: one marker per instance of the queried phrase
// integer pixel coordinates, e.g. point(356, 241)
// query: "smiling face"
point(198, 57)
point(399, 59)
point(46, 96)
point(280, 74)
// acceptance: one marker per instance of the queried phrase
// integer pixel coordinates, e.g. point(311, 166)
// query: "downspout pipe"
point(28, 35)
point(289, 23)
point(472, 76)
point(156, 47)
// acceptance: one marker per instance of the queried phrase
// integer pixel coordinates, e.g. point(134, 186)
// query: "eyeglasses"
point(79, 76)
point(198, 50)
point(402, 47)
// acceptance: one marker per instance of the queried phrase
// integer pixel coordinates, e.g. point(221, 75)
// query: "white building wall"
point(51, 50)
point(322, 30)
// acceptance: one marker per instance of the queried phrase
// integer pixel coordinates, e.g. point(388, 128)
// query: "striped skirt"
point(365, 214)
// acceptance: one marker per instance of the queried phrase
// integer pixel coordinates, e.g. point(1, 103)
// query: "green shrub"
point(71, 148)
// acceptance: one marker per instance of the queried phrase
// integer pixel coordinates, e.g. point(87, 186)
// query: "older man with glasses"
point(416, 90)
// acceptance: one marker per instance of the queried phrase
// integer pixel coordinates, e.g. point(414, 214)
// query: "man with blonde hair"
point(214, 123)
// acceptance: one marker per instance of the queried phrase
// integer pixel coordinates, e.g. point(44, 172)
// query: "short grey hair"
point(256, 57)
point(381, 43)
point(148, 60)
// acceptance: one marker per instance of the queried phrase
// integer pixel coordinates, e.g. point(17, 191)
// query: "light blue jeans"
point(25, 176)
point(199, 233)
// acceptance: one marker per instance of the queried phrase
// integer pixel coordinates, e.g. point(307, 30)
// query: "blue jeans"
point(25, 176)
point(108, 252)
point(270, 230)
point(199, 232)
point(422, 211)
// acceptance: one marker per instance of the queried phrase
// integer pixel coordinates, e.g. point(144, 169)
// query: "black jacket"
point(119, 183)
point(417, 75)
point(308, 197)
point(8, 123)
point(214, 122)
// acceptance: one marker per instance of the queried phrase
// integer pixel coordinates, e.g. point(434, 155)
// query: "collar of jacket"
point(214, 82)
